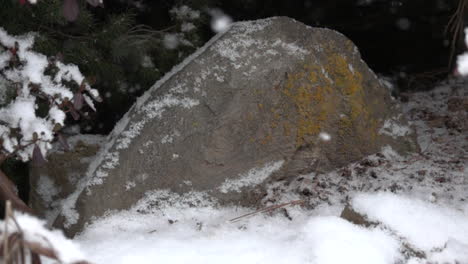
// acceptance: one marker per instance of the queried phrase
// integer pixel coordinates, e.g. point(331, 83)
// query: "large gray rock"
point(255, 104)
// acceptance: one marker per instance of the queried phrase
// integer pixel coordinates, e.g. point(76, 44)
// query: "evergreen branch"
point(58, 32)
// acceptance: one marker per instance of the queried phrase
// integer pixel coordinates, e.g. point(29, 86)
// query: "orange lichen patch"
point(339, 68)
point(312, 96)
point(266, 139)
point(350, 82)
point(286, 129)
point(319, 96)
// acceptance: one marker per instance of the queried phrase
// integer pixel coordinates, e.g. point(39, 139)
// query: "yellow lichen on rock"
point(317, 94)
point(312, 96)
point(350, 82)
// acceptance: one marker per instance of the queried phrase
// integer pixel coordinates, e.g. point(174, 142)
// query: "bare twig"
point(455, 27)
point(14, 245)
point(267, 209)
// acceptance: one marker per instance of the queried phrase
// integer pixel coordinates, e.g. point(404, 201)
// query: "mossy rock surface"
point(248, 108)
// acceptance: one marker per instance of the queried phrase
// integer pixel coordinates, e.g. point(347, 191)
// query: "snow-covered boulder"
point(265, 100)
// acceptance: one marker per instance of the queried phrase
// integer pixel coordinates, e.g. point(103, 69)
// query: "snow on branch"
point(26, 129)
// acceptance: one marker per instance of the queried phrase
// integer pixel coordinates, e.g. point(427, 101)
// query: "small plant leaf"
point(70, 10)
point(78, 101)
point(74, 113)
point(37, 157)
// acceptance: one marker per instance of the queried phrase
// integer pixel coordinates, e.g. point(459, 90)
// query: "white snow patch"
point(46, 188)
point(152, 109)
point(184, 13)
point(291, 48)
point(390, 153)
point(334, 240)
point(324, 136)
point(462, 59)
point(187, 27)
point(34, 231)
point(170, 138)
point(129, 185)
point(20, 113)
point(393, 129)
point(168, 228)
point(253, 177)
point(453, 252)
point(166, 139)
point(351, 69)
point(424, 225)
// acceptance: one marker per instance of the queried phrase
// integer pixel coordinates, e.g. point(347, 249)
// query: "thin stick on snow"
point(266, 209)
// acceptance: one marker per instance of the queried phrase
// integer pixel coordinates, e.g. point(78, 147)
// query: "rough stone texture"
point(246, 109)
point(57, 179)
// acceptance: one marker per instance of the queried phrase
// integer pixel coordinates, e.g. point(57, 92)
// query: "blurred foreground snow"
point(419, 204)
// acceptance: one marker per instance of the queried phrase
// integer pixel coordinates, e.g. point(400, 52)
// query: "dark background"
point(394, 36)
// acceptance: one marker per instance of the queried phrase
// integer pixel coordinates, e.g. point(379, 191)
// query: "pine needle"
point(267, 209)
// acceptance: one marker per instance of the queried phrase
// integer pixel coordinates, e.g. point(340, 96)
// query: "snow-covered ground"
point(418, 207)
point(415, 208)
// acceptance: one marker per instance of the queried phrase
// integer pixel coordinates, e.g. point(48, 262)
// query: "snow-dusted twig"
point(267, 209)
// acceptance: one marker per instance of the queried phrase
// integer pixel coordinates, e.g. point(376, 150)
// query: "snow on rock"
point(236, 48)
point(231, 121)
point(394, 129)
point(47, 188)
point(109, 158)
point(152, 110)
point(251, 178)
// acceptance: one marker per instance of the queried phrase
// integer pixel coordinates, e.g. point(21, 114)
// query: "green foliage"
point(107, 44)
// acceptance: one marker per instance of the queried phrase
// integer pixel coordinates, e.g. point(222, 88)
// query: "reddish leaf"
point(37, 157)
point(74, 113)
point(22, 2)
point(70, 10)
point(78, 101)
point(7, 192)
